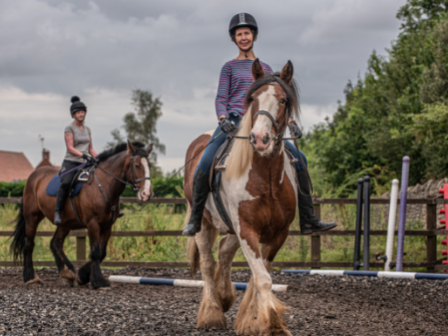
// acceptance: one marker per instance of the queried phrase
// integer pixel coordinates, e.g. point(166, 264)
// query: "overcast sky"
point(101, 50)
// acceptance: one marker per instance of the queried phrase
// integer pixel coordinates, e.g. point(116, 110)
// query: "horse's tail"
point(18, 243)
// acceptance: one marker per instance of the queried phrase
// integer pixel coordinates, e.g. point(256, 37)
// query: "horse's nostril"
point(266, 139)
point(252, 137)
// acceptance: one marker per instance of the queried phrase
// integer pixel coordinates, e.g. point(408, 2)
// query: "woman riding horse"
point(234, 81)
point(78, 139)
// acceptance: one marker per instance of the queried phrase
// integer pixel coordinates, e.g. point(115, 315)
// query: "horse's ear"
point(257, 69)
point(287, 73)
point(131, 149)
point(149, 149)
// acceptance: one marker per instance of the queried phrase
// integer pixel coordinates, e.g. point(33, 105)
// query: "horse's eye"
point(282, 101)
point(136, 165)
point(251, 99)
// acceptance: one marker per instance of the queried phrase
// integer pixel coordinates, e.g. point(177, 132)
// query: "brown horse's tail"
point(18, 244)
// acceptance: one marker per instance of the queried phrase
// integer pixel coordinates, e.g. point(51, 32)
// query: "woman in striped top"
point(234, 81)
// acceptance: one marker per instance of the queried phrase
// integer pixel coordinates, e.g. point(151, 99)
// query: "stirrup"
point(84, 176)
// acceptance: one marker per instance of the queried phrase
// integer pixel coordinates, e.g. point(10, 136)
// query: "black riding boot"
point(309, 223)
point(60, 202)
point(201, 189)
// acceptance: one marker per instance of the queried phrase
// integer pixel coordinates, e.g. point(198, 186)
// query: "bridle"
point(278, 134)
point(134, 181)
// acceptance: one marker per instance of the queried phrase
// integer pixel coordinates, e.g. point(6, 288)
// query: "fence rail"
point(431, 263)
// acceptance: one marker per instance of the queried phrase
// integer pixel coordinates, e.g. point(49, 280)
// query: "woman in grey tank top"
point(78, 140)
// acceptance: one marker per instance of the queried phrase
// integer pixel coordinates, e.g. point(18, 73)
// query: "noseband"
point(135, 181)
point(279, 135)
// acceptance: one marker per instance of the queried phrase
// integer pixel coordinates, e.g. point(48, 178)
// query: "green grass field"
point(163, 217)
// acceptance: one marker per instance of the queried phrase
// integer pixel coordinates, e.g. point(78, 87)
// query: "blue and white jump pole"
point(391, 225)
point(180, 282)
point(395, 275)
point(402, 219)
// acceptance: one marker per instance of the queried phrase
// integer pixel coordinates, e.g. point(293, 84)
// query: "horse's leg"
point(66, 270)
point(210, 313)
point(260, 313)
point(98, 245)
point(32, 221)
point(223, 282)
point(83, 276)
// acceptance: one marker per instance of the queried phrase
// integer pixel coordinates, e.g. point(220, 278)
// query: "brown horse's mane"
point(104, 155)
point(291, 90)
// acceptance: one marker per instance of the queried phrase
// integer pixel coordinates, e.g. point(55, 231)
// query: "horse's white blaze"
point(267, 102)
point(147, 186)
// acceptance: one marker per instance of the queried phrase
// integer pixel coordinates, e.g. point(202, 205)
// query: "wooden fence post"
point(315, 240)
point(431, 241)
point(81, 248)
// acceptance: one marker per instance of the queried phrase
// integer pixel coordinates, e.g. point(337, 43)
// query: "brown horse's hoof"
point(80, 283)
point(68, 276)
point(35, 281)
point(104, 288)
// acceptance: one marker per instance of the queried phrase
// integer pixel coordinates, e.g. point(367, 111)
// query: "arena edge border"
point(377, 274)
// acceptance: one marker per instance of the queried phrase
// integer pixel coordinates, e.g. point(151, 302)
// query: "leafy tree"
point(141, 125)
point(379, 122)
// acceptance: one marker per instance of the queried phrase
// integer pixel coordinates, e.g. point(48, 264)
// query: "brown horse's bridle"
point(134, 181)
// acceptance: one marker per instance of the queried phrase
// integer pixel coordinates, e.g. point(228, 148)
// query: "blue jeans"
point(214, 144)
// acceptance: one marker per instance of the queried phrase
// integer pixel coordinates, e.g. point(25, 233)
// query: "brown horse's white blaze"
point(145, 193)
point(260, 196)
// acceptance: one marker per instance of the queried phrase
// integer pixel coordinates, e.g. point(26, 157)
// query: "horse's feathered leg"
point(223, 282)
point(66, 270)
point(211, 312)
point(260, 312)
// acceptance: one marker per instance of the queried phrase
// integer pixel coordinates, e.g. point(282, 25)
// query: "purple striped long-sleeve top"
point(234, 81)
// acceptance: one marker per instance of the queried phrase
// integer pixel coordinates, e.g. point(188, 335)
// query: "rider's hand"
point(294, 129)
point(227, 126)
point(90, 158)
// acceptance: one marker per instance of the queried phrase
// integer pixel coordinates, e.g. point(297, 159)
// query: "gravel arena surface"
point(318, 306)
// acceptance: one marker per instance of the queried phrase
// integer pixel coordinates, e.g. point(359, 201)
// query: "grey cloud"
point(105, 48)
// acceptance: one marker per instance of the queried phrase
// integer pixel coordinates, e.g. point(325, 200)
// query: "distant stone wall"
point(416, 212)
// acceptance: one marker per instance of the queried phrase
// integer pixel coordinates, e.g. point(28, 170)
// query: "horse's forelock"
point(291, 91)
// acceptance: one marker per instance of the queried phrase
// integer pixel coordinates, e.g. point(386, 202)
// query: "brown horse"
point(260, 195)
point(97, 205)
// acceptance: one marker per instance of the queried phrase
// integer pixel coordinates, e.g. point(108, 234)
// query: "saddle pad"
point(53, 187)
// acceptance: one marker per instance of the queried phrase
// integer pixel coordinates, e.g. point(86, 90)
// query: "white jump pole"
point(391, 225)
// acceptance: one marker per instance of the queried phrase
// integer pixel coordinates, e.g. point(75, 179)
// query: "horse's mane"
point(242, 152)
point(104, 155)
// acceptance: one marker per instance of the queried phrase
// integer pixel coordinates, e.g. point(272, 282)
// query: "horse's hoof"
point(71, 283)
point(104, 288)
point(101, 284)
point(35, 281)
point(80, 282)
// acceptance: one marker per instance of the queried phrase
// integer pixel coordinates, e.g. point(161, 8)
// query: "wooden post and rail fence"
point(431, 263)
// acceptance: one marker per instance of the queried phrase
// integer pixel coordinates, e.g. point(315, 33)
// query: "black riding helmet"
point(77, 105)
point(242, 20)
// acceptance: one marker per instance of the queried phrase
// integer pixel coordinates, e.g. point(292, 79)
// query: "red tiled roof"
point(14, 166)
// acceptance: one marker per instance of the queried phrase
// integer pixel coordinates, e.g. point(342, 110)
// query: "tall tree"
point(141, 125)
point(375, 124)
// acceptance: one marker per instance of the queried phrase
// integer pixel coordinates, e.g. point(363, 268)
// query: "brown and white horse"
point(260, 195)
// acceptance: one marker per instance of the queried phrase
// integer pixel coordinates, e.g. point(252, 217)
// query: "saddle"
point(81, 176)
point(218, 167)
